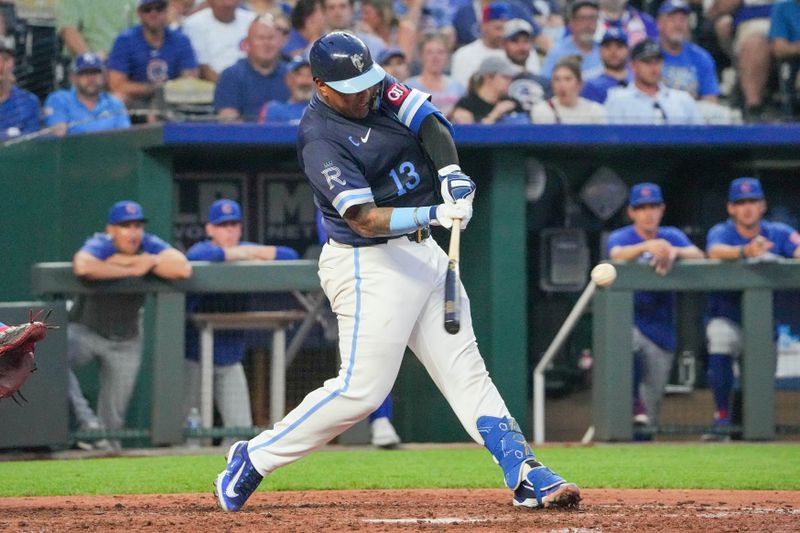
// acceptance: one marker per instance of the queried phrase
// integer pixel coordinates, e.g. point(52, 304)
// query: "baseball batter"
point(371, 147)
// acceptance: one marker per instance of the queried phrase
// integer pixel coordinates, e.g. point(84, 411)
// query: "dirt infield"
point(409, 510)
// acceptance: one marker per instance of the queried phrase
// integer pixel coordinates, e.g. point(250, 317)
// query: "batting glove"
point(443, 214)
point(456, 185)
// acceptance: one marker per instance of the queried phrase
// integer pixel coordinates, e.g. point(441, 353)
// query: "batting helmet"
point(344, 63)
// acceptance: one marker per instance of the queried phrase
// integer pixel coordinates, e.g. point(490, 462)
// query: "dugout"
point(63, 187)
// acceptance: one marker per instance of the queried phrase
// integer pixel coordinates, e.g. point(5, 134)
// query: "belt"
point(420, 235)
point(416, 236)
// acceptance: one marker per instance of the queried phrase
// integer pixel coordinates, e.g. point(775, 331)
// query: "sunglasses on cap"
point(149, 8)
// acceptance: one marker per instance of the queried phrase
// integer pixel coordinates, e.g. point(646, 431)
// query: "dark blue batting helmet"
point(344, 63)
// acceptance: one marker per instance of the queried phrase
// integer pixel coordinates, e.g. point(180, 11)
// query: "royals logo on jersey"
point(332, 174)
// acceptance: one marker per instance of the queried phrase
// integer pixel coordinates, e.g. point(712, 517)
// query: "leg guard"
point(504, 439)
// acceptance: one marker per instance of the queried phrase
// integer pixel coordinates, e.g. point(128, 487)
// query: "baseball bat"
point(452, 303)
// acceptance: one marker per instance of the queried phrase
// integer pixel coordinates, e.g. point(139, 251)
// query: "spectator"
point(262, 7)
point(178, 10)
point(745, 235)
point(751, 49)
point(579, 40)
point(91, 26)
point(308, 22)
point(566, 107)
point(19, 109)
point(614, 55)
point(393, 61)
point(245, 87)
point(216, 33)
point(146, 56)
point(784, 30)
point(225, 244)
point(339, 16)
point(527, 88)
point(418, 18)
point(654, 338)
point(444, 90)
point(301, 88)
point(467, 58)
point(467, 18)
point(618, 14)
point(487, 101)
point(106, 327)
point(687, 67)
point(377, 18)
point(86, 107)
point(647, 100)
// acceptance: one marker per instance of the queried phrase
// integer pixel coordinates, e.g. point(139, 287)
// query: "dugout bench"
point(613, 319)
point(57, 281)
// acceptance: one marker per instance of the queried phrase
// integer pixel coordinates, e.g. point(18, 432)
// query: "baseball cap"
point(497, 65)
point(296, 63)
point(745, 189)
point(224, 211)
point(497, 11)
point(6, 47)
point(87, 61)
point(577, 4)
point(646, 49)
point(614, 35)
point(125, 211)
point(516, 26)
point(673, 6)
point(644, 194)
point(388, 53)
point(143, 3)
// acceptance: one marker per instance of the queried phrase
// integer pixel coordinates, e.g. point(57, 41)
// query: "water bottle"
point(193, 422)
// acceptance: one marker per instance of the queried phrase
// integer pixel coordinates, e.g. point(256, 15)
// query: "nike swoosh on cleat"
point(229, 492)
point(365, 138)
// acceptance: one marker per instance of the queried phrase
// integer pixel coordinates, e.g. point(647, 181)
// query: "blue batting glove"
point(456, 185)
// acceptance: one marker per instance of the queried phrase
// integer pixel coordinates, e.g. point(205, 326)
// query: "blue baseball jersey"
point(376, 159)
point(64, 107)
point(229, 346)
point(133, 56)
point(693, 71)
point(785, 21)
point(596, 89)
point(101, 245)
point(243, 88)
point(786, 239)
point(19, 113)
point(287, 112)
point(654, 311)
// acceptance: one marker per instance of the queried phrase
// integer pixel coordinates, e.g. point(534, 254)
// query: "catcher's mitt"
point(17, 344)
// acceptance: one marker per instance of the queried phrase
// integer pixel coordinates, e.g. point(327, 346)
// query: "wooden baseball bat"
point(452, 303)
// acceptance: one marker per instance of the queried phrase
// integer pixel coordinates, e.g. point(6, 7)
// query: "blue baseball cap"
point(295, 64)
point(143, 3)
point(645, 194)
point(745, 189)
point(497, 11)
point(86, 62)
point(125, 211)
point(614, 34)
point(224, 211)
point(388, 53)
point(673, 6)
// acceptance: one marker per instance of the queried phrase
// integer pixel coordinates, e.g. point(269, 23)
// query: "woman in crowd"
point(566, 107)
point(435, 56)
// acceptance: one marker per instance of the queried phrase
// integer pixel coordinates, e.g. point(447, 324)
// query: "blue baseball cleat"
point(239, 480)
point(541, 487)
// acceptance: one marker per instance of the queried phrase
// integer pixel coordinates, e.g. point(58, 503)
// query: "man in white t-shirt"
point(216, 33)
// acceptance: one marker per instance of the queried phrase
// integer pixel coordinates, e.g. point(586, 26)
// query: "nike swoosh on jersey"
point(354, 142)
point(229, 491)
point(365, 138)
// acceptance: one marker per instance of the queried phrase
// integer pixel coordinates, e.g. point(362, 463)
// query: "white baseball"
point(604, 274)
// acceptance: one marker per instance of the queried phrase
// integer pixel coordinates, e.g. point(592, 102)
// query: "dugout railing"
point(612, 321)
point(56, 281)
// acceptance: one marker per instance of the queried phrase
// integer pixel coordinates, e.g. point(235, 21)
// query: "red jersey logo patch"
point(396, 93)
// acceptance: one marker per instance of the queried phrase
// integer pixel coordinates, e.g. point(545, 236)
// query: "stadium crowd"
point(519, 61)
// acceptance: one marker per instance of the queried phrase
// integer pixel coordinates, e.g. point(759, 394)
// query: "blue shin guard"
point(534, 484)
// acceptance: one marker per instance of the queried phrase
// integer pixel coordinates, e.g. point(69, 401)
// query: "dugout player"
point(654, 339)
point(231, 394)
point(371, 147)
point(106, 327)
point(745, 235)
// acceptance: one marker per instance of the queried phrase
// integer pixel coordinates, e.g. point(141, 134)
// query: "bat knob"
point(452, 327)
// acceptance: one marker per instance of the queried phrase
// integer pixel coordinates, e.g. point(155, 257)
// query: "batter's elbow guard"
point(504, 439)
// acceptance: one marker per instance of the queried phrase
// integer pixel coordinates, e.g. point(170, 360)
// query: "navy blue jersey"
point(786, 239)
point(375, 159)
point(653, 312)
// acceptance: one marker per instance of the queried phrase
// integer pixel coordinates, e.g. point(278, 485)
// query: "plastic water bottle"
point(193, 422)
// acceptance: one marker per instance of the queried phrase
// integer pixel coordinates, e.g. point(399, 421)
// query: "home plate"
point(443, 520)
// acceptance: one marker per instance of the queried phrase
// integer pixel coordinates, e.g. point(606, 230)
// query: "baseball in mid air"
point(604, 274)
